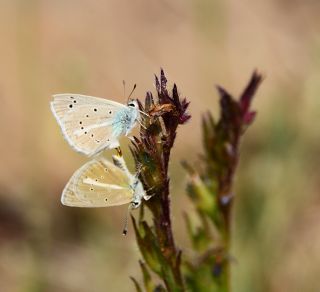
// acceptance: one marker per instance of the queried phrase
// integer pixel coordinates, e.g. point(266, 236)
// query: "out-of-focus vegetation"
point(90, 47)
point(211, 190)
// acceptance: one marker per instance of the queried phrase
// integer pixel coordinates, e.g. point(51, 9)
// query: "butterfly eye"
point(131, 104)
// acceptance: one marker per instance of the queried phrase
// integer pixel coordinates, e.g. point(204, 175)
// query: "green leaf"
point(148, 284)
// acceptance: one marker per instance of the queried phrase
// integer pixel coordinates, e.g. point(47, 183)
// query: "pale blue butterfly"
point(92, 124)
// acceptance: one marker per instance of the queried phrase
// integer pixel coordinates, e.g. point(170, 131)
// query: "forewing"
point(86, 121)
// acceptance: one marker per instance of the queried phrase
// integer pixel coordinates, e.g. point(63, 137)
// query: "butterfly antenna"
point(124, 89)
point(125, 227)
point(134, 87)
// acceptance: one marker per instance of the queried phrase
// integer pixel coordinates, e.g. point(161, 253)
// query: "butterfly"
point(92, 124)
point(100, 183)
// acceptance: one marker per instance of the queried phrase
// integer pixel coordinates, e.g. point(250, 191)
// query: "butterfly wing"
point(86, 121)
point(98, 183)
point(62, 103)
point(69, 197)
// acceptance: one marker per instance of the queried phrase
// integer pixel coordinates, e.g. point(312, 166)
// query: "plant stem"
point(152, 151)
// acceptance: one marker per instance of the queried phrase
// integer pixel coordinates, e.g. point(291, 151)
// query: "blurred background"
point(89, 47)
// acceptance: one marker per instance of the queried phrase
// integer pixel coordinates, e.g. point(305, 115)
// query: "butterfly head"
point(135, 204)
point(133, 103)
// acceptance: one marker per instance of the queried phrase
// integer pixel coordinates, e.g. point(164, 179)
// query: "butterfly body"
point(124, 120)
point(91, 124)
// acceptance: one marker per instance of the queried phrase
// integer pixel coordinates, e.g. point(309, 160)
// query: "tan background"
point(89, 47)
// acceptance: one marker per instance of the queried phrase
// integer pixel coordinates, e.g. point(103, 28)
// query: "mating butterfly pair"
point(90, 125)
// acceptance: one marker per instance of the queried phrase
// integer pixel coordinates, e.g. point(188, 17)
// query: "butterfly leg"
point(144, 127)
point(139, 167)
point(119, 151)
point(147, 197)
point(163, 127)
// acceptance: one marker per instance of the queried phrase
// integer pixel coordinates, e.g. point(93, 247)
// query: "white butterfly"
point(91, 124)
